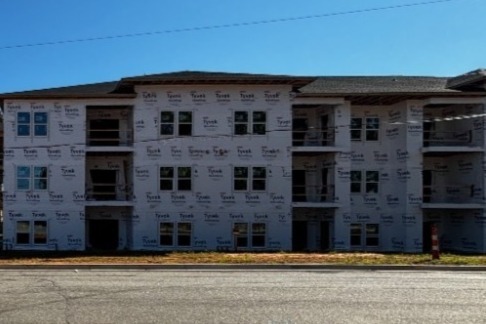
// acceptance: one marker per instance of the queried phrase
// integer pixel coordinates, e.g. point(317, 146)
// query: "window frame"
point(178, 124)
point(365, 129)
point(251, 179)
point(36, 124)
point(368, 182)
point(177, 180)
point(31, 234)
point(248, 235)
point(34, 179)
point(249, 122)
point(179, 234)
point(365, 236)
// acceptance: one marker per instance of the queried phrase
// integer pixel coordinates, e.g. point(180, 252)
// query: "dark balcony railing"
point(460, 194)
point(109, 137)
point(107, 192)
point(312, 194)
point(313, 137)
point(448, 138)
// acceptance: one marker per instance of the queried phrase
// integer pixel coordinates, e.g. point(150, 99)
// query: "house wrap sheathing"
point(247, 162)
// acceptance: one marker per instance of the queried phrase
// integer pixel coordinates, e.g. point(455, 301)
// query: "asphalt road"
point(273, 297)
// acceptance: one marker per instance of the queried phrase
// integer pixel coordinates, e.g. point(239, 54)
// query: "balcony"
point(463, 138)
point(109, 137)
point(313, 137)
point(452, 196)
point(313, 196)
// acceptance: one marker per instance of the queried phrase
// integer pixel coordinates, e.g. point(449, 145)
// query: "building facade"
point(219, 161)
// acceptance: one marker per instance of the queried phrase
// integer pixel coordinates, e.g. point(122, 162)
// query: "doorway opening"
point(103, 234)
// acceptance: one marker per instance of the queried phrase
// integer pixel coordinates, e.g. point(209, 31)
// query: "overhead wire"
point(224, 26)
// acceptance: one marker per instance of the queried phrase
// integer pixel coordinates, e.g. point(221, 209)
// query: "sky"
point(339, 37)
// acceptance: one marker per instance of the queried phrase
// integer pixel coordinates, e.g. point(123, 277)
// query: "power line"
point(223, 26)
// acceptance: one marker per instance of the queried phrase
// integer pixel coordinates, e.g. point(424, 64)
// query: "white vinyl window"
point(249, 234)
point(364, 235)
point(365, 181)
point(175, 179)
point(249, 178)
point(31, 178)
point(175, 234)
point(365, 128)
point(29, 124)
point(31, 232)
point(246, 122)
point(176, 123)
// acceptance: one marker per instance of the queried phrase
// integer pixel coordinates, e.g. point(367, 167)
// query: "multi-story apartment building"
point(221, 161)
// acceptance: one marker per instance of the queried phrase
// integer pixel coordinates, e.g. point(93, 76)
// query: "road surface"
point(218, 296)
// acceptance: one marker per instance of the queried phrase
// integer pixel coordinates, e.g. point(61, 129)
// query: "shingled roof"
point(198, 77)
point(358, 89)
point(376, 85)
point(94, 90)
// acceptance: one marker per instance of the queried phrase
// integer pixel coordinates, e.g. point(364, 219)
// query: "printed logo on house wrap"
point(77, 153)
point(210, 124)
point(65, 128)
point(211, 217)
point(31, 154)
point(62, 216)
point(283, 123)
point(197, 97)
point(247, 98)
point(8, 154)
point(54, 153)
point(56, 198)
point(227, 198)
point(174, 98)
point(387, 219)
point(153, 153)
point(222, 98)
point(72, 112)
point(244, 153)
point(79, 198)
point(409, 219)
point(272, 97)
point(32, 198)
point(178, 198)
point(220, 153)
point(149, 97)
point(9, 197)
point(68, 172)
point(142, 173)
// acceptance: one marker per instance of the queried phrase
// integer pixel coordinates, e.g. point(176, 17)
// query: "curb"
point(242, 267)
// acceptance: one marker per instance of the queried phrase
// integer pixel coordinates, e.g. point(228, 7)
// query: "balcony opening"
point(103, 184)
point(104, 132)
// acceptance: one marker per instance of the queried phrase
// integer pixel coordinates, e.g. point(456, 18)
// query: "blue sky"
point(440, 39)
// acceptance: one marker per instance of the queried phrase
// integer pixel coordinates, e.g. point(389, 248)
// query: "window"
point(356, 128)
point(31, 178)
point(242, 232)
point(25, 125)
point(181, 234)
point(372, 178)
point(371, 130)
point(355, 234)
point(356, 181)
point(371, 235)
point(175, 178)
point(246, 123)
point(246, 178)
point(370, 185)
point(179, 123)
point(24, 235)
